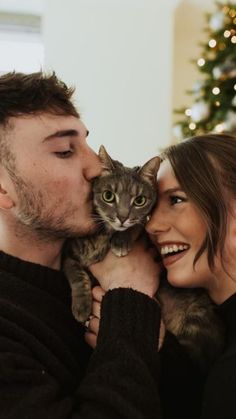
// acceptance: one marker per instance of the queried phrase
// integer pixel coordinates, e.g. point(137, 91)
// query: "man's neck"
point(31, 248)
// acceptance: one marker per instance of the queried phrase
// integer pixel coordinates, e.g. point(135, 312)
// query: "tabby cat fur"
point(123, 198)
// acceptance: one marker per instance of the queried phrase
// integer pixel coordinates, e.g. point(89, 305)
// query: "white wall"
point(22, 6)
point(118, 53)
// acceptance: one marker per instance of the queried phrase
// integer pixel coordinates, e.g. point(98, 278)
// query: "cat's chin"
point(120, 228)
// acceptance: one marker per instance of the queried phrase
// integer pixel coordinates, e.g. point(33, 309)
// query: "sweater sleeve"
point(122, 375)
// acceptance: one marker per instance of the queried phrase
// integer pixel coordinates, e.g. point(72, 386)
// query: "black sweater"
point(47, 370)
point(220, 391)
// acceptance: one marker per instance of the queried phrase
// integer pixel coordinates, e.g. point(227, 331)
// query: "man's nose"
point(93, 167)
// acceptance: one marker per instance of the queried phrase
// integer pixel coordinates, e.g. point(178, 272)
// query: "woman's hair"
point(205, 167)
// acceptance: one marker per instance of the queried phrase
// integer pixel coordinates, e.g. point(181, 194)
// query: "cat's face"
point(124, 197)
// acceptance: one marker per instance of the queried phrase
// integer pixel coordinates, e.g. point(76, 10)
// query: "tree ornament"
point(230, 121)
point(200, 111)
point(177, 131)
point(217, 73)
point(217, 21)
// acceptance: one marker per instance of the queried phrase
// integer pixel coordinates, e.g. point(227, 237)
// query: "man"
point(46, 367)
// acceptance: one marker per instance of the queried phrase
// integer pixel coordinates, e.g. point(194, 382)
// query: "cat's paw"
point(81, 309)
point(120, 247)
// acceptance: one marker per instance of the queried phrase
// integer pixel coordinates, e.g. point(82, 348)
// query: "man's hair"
point(34, 93)
point(205, 167)
point(29, 94)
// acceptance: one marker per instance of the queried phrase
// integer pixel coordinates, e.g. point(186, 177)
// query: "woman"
point(194, 228)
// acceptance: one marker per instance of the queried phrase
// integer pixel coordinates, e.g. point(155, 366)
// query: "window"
point(21, 45)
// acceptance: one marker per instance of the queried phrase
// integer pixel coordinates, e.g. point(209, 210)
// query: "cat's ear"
point(106, 160)
point(149, 170)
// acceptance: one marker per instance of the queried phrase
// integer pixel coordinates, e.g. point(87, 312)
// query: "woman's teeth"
point(165, 250)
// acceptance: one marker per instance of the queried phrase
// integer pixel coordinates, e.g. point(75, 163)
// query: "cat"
point(191, 316)
point(123, 199)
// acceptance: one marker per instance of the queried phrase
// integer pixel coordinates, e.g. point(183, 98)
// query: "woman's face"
point(178, 230)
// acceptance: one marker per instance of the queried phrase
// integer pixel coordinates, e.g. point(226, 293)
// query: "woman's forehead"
point(165, 171)
point(165, 177)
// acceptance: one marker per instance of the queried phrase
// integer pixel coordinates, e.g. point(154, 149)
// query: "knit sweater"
point(47, 370)
point(220, 392)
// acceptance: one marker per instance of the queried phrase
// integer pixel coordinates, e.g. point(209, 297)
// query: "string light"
point(219, 128)
point(233, 39)
point(212, 43)
point(188, 112)
point(225, 9)
point(234, 21)
point(235, 87)
point(201, 62)
point(232, 13)
point(192, 126)
point(216, 90)
point(227, 34)
point(217, 103)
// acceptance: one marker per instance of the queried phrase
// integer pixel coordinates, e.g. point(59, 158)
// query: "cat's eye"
point(140, 201)
point(108, 196)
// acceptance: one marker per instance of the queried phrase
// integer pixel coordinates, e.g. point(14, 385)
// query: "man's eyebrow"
point(64, 133)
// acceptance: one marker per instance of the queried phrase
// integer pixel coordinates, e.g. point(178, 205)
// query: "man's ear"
point(6, 201)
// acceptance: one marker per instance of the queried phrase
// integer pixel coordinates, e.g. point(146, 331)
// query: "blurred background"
point(147, 72)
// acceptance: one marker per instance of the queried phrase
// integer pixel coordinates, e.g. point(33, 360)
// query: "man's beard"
point(35, 214)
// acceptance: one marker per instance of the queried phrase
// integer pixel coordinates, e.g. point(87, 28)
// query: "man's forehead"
point(42, 123)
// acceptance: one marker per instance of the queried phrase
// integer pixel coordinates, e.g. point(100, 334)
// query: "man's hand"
point(138, 270)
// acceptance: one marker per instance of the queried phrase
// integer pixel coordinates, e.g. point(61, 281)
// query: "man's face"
point(50, 177)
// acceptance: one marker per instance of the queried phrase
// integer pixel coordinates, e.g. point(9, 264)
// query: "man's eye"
point(174, 199)
point(64, 154)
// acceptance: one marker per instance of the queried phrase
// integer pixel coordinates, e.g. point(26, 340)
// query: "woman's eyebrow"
point(172, 190)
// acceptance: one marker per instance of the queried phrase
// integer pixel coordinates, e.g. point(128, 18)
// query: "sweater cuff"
point(130, 315)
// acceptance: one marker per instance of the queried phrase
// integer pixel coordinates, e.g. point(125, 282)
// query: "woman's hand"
point(138, 270)
point(93, 323)
point(94, 320)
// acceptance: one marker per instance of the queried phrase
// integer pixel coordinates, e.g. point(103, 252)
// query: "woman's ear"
point(6, 201)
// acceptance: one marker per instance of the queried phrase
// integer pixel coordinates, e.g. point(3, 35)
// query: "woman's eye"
point(174, 199)
point(140, 201)
point(64, 154)
point(108, 196)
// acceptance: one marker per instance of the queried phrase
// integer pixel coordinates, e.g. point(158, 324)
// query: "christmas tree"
point(214, 96)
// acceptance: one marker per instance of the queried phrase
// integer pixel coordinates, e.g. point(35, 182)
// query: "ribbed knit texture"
point(219, 398)
point(47, 370)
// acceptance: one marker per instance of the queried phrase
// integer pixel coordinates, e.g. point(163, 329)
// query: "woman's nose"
point(158, 222)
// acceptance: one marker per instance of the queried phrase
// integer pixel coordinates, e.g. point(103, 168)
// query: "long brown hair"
point(205, 167)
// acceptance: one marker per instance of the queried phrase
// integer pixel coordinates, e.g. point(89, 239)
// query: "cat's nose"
point(122, 218)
